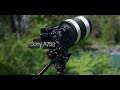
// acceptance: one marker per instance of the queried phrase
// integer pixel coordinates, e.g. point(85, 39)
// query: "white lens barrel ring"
point(77, 28)
point(87, 25)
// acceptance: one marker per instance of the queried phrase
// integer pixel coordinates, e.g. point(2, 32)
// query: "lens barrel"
point(80, 27)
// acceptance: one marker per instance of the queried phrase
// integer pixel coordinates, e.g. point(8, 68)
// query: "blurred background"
point(99, 54)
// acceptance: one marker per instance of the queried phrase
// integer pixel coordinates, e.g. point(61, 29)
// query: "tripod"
point(59, 58)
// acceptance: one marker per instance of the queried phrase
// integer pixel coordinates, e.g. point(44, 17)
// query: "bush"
point(87, 65)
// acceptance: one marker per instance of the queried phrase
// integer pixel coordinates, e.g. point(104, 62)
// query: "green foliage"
point(17, 58)
point(108, 32)
point(87, 65)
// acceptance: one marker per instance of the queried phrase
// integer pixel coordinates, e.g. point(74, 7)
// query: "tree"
point(19, 24)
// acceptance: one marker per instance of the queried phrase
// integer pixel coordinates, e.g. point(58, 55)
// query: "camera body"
point(65, 35)
point(56, 37)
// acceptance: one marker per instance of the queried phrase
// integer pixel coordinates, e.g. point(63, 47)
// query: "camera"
point(58, 39)
point(64, 36)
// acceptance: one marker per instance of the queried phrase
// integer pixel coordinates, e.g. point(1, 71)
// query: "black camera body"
point(65, 35)
point(55, 37)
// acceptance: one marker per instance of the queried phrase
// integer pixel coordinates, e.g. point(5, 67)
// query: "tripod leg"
point(47, 66)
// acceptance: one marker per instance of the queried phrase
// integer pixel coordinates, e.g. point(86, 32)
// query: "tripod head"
point(59, 59)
